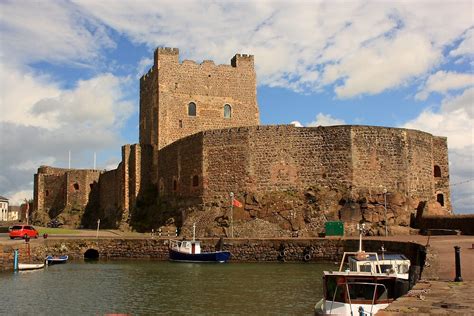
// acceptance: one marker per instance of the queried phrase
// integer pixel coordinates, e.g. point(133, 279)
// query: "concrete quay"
point(436, 293)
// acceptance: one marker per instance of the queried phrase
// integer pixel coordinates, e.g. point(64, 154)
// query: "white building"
point(13, 213)
point(3, 209)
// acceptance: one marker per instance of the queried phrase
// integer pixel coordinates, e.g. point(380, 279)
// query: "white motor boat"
point(364, 284)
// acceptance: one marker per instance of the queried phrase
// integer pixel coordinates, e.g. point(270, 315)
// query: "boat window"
point(335, 291)
point(367, 267)
point(403, 268)
point(381, 293)
point(361, 291)
point(385, 267)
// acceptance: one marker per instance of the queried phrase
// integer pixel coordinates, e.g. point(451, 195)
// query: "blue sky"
point(69, 72)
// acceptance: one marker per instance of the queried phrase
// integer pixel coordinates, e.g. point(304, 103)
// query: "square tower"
point(181, 99)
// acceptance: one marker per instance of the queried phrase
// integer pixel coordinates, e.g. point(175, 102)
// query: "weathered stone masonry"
point(200, 139)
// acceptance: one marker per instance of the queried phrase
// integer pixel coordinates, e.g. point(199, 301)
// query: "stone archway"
point(91, 254)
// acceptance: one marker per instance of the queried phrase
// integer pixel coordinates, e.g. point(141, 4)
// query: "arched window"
point(437, 171)
point(195, 181)
point(440, 198)
point(192, 109)
point(227, 111)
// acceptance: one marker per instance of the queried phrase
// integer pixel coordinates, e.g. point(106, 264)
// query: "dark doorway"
point(440, 199)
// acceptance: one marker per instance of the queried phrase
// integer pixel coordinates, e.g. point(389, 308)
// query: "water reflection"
point(151, 287)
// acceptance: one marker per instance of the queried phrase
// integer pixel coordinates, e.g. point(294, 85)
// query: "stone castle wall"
point(363, 159)
point(294, 178)
point(59, 189)
point(440, 159)
point(169, 87)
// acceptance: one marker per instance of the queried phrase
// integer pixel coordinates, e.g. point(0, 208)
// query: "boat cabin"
point(386, 263)
point(186, 246)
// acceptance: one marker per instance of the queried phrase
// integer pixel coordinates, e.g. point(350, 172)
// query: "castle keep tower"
point(181, 99)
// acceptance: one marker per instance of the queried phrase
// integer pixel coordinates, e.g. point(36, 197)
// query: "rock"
point(350, 212)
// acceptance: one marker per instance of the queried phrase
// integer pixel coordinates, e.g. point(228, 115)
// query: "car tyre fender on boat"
point(307, 257)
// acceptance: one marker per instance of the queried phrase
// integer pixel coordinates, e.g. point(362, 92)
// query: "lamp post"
point(385, 209)
point(231, 214)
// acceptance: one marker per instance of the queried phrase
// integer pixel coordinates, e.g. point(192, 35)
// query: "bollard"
point(15, 260)
point(457, 256)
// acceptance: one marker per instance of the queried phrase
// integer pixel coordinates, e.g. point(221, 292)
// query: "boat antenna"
point(382, 249)
point(194, 231)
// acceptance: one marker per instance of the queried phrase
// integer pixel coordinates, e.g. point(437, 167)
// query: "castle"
point(201, 138)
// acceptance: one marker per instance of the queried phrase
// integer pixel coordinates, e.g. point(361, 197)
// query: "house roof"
point(3, 198)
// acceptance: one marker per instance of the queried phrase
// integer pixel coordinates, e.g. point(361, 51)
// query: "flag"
point(236, 203)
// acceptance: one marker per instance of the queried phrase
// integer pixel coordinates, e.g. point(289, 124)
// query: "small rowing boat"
point(50, 260)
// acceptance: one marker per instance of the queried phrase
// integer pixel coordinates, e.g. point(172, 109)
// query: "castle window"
point(437, 171)
point(195, 181)
point(47, 192)
point(180, 123)
point(175, 185)
point(440, 198)
point(227, 111)
point(192, 109)
point(76, 186)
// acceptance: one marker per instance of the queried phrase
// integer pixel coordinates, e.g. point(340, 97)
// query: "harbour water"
point(155, 287)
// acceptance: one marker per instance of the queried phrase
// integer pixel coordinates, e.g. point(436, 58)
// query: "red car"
point(23, 231)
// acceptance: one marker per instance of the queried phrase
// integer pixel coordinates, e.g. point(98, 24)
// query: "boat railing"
point(351, 301)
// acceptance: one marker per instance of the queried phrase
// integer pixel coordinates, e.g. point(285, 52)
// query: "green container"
point(334, 228)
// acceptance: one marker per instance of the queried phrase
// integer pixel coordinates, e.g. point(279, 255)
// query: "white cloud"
point(359, 47)
point(40, 123)
point(444, 81)
point(325, 120)
point(466, 46)
point(296, 124)
point(384, 64)
point(56, 31)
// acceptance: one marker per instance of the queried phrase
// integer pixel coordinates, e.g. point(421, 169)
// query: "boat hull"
point(30, 266)
point(217, 256)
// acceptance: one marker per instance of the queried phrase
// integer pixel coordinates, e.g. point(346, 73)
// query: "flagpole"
point(231, 214)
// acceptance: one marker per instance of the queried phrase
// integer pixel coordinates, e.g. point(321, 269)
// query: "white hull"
point(338, 308)
point(30, 266)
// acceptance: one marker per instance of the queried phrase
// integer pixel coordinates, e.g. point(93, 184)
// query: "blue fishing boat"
point(50, 260)
point(190, 251)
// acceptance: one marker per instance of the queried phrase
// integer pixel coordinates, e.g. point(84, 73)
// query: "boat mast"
point(361, 228)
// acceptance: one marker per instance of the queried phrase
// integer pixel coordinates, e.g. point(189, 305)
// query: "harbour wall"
point(463, 223)
point(243, 250)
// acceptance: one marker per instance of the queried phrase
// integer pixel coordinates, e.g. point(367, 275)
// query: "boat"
point(30, 266)
point(365, 283)
point(190, 251)
point(362, 293)
point(50, 260)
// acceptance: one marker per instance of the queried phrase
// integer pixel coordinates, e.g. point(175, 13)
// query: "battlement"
point(242, 59)
point(167, 50)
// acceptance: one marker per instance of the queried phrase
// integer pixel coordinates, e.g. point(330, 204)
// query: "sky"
point(69, 72)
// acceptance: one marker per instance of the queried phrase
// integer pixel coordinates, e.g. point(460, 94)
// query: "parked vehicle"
point(23, 231)
point(54, 223)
